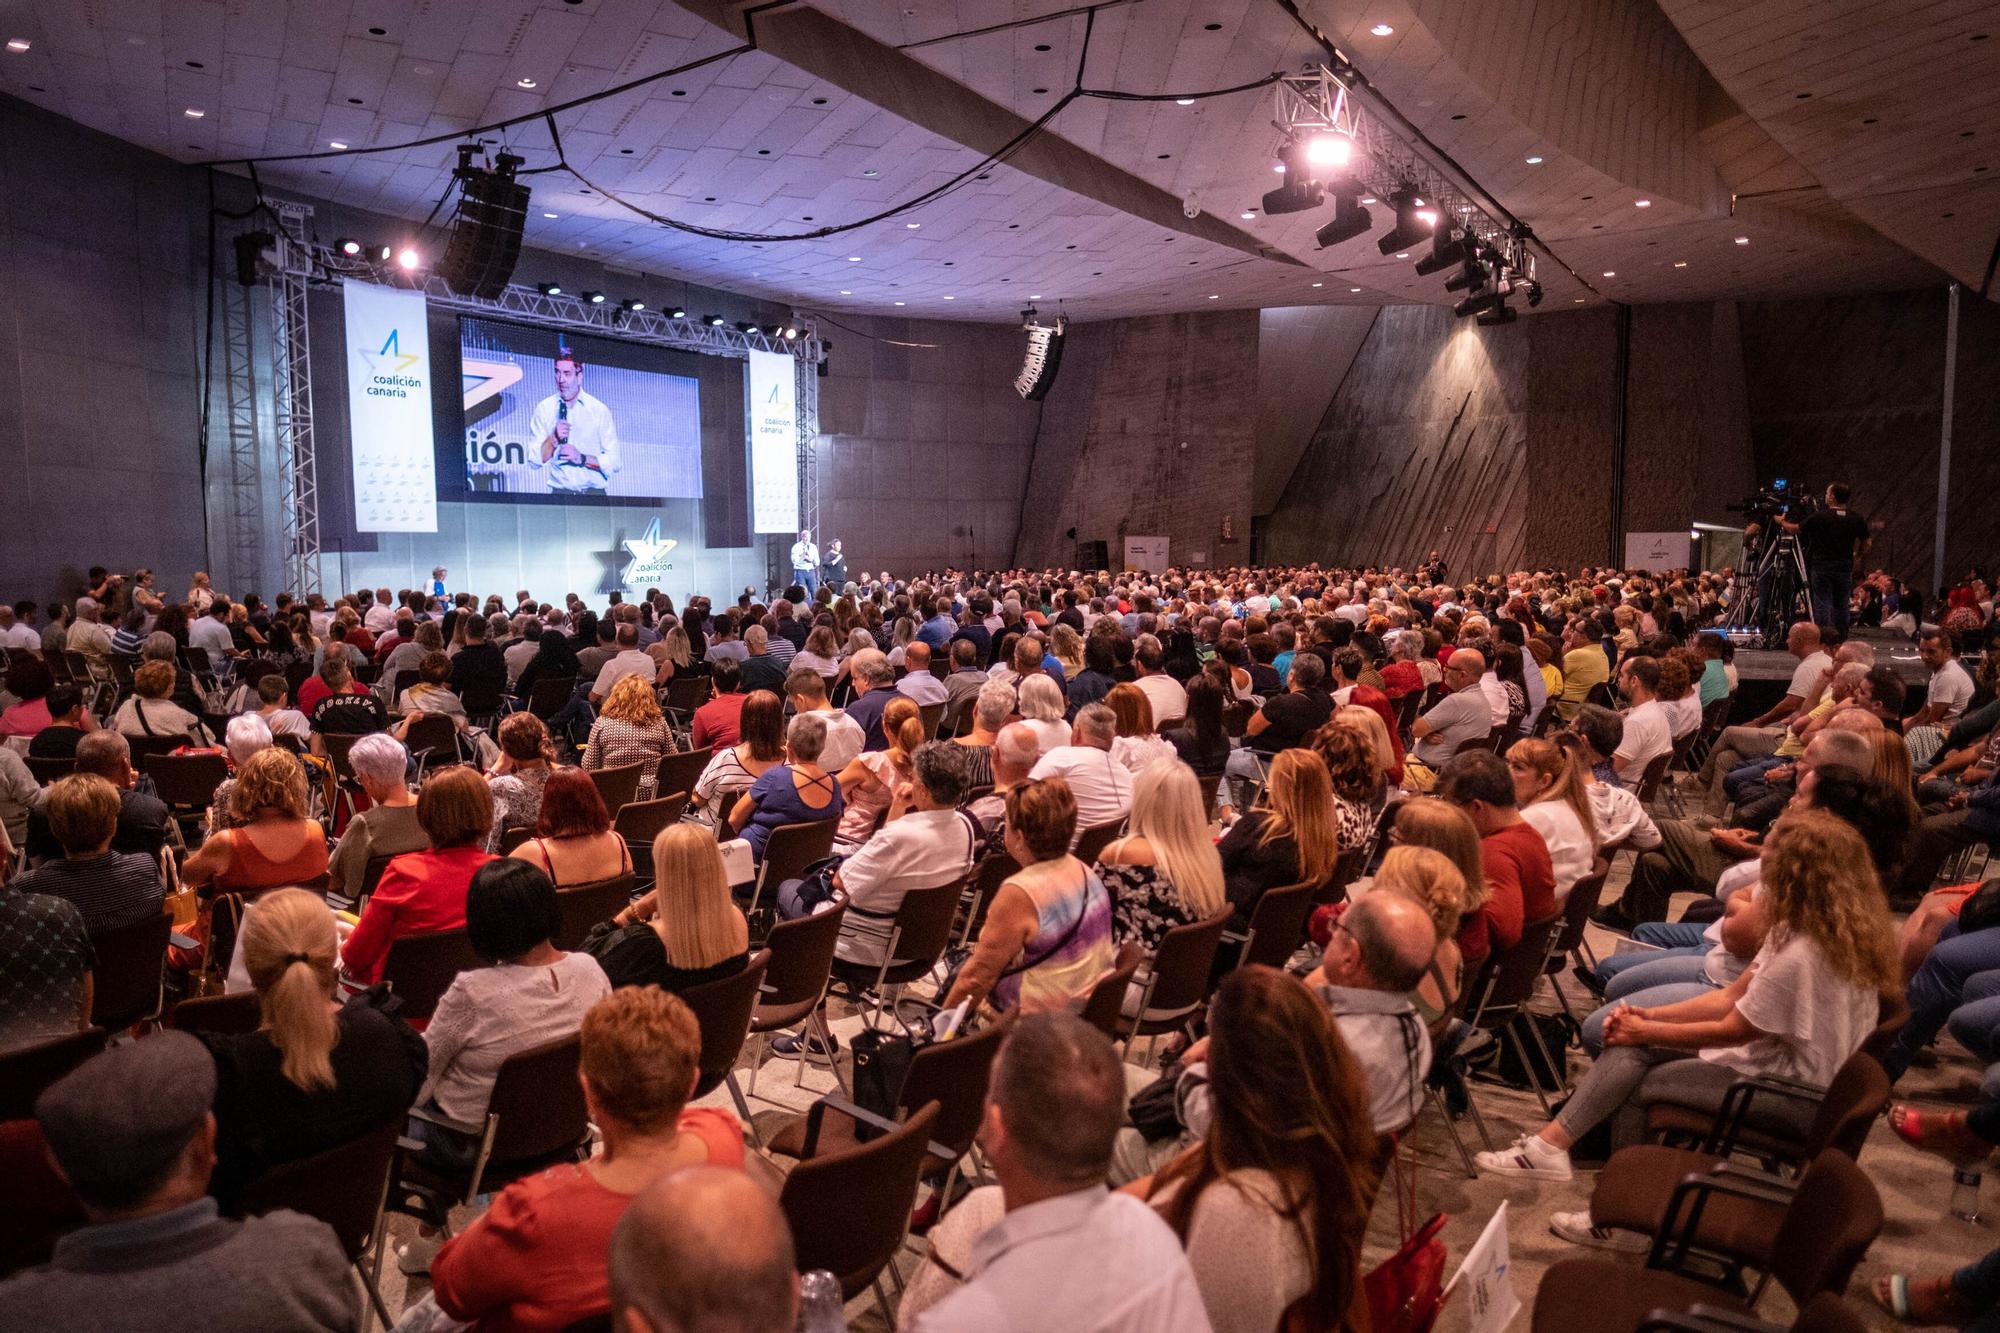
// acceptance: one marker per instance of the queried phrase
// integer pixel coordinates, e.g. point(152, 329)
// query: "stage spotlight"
point(677, 313)
point(1414, 220)
point(1505, 314)
point(1534, 290)
point(1471, 276)
point(595, 298)
point(1300, 191)
point(381, 254)
point(1328, 149)
point(1350, 220)
point(549, 288)
point(748, 326)
point(348, 246)
point(408, 258)
point(631, 307)
point(714, 321)
point(791, 332)
point(1477, 304)
point(1448, 247)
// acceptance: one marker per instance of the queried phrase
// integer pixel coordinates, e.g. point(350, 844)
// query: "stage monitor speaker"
point(485, 236)
point(1092, 555)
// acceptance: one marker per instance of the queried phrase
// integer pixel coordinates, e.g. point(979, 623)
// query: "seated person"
point(869, 783)
point(1617, 817)
point(425, 890)
point(1520, 879)
point(272, 842)
point(1165, 872)
point(689, 929)
point(1462, 715)
point(538, 1258)
point(388, 827)
point(431, 692)
point(142, 817)
point(527, 759)
point(703, 1247)
point(47, 961)
point(110, 888)
point(1288, 837)
point(69, 723)
point(1552, 792)
point(316, 1073)
point(574, 842)
point(131, 1132)
point(530, 993)
point(1100, 785)
point(715, 722)
point(152, 712)
point(341, 705)
point(630, 729)
point(732, 768)
point(798, 791)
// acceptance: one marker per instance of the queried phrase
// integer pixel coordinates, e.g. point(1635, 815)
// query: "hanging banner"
point(1657, 552)
point(774, 443)
point(1148, 554)
point(389, 410)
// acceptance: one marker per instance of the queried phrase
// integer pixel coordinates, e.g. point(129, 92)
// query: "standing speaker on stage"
point(579, 439)
point(833, 567)
point(805, 563)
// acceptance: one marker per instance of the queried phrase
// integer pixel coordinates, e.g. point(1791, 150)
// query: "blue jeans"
point(1746, 782)
point(1832, 589)
point(1939, 987)
point(1976, 1021)
point(1671, 934)
point(807, 579)
point(1979, 1283)
point(1650, 998)
point(1609, 970)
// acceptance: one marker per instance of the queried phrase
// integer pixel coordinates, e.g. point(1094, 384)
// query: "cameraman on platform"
point(1834, 539)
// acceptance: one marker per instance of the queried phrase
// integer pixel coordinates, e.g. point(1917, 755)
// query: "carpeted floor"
point(1920, 1235)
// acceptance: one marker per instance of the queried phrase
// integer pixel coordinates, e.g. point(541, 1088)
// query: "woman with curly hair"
point(272, 842)
point(630, 729)
point(1797, 1012)
point(1273, 1199)
point(1354, 767)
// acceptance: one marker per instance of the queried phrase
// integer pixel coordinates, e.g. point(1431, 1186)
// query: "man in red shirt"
point(1520, 880)
point(718, 723)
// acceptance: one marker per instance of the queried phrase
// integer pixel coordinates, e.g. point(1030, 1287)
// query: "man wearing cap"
point(131, 1132)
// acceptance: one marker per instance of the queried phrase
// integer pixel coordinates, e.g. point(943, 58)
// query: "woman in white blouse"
point(1553, 793)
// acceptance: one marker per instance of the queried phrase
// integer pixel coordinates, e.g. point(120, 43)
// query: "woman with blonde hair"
point(821, 655)
point(1138, 746)
point(1443, 827)
point(689, 929)
point(1067, 645)
point(1289, 836)
point(1387, 746)
point(315, 1073)
point(672, 652)
point(1430, 877)
point(1553, 793)
point(1798, 1012)
point(630, 729)
point(273, 843)
point(1165, 872)
point(1892, 766)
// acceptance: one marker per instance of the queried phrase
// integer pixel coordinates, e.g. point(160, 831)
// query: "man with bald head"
point(1462, 715)
point(703, 1250)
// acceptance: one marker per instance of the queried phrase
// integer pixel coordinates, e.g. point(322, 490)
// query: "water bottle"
point(821, 1308)
point(1965, 1194)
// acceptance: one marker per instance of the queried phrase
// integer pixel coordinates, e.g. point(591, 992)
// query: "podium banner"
point(389, 409)
point(774, 443)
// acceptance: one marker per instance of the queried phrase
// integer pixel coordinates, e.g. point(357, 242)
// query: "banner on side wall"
point(774, 443)
point(389, 409)
point(1146, 553)
point(1657, 551)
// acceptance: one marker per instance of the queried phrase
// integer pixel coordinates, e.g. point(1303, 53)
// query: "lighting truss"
point(1316, 100)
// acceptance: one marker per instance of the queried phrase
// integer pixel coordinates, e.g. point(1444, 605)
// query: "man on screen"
point(579, 440)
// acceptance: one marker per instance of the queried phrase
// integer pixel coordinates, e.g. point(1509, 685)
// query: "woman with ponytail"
point(1553, 793)
point(315, 1073)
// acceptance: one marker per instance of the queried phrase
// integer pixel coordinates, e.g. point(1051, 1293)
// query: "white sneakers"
point(1528, 1156)
point(1578, 1229)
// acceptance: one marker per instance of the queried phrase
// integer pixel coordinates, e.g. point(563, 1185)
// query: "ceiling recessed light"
point(1215, 297)
point(524, 83)
point(549, 215)
point(194, 113)
point(1402, 254)
point(335, 143)
point(1319, 284)
point(1250, 214)
point(1381, 30)
point(1680, 263)
point(854, 259)
point(899, 303)
point(1354, 289)
point(912, 226)
point(1610, 273)
point(1367, 198)
point(845, 292)
point(1183, 101)
point(951, 298)
point(1743, 240)
point(1642, 203)
point(871, 172)
point(18, 44)
point(1579, 300)
point(420, 69)
point(1036, 297)
point(1534, 161)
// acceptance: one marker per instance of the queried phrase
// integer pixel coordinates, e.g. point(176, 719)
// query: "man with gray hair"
point(1067, 1254)
point(761, 668)
point(703, 1250)
point(132, 1133)
point(874, 686)
point(965, 682)
point(1101, 785)
point(87, 633)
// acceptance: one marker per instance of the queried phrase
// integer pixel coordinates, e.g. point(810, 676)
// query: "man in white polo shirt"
point(1648, 730)
point(628, 661)
point(1101, 785)
point(577, 438)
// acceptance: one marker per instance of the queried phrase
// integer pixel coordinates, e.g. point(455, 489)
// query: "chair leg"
point(1472, 1104)
point(882, 1304)
point(818, 1023)
point(743, 1109)
point(376, 1305)
point(1512, 1032)
point(1451, 1127)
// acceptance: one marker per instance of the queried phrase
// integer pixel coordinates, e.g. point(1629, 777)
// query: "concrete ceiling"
point(849, 106)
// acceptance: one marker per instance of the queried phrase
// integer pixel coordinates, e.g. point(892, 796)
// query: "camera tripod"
point(1778, 594)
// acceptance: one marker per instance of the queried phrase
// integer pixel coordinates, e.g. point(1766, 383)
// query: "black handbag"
point(1154, 1110)
point(816, 885)
point(881, 1064)
point(1982, 909)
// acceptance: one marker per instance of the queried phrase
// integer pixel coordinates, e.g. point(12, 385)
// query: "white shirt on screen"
point(592, 433)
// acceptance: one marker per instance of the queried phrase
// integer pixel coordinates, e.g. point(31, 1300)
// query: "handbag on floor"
point(1406, 1290)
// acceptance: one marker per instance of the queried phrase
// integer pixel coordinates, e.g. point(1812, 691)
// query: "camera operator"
point(1834, 539)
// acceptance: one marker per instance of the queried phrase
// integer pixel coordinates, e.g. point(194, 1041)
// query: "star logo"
point(649, 558)
point(392, 359)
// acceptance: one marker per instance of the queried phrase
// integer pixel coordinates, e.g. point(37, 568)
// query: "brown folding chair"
point(684, 695)
point(548, 695)
point(993, 870)
point(1176, 983)
point(433, 741)
point(1570, 943)
point(131, 962)
point(584, 905)
point(724, 1009)
point(186, 782)
point(1090, 843)
point(512, 838)
point(679, 772)
point(789, 850)
point(930, 715)
point(1502, 990)
point(850, 1210)
point(639, 822)
point(1649, 782)
point(1276, 927)
point(47, 772)
point(795, 984)
point(420, 968)
point(918, 936)
point(28, 1071)
point(224, 1015)
point(1347, 868)
point(618, 786)
point(1104, 1007)
point(345, 1187)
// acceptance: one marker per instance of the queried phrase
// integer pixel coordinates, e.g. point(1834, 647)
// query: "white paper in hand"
point(1489, 1284)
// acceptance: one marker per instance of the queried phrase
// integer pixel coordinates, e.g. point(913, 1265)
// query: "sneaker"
point(414, 1256)
point(1612, 917)
point(1578, 1229)
point(1528, 1156)
point(809, 1045)
point(1588, 979)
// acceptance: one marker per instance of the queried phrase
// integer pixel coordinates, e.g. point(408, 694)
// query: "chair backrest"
point(1181, 967)
point(482, 698)
point(679, 772)
point(1649, 782)
point(639, 822)
point(1716, 716)
point(27, 1071)
point(687, 693)
point(1104, 1007)
point(1576, 909)
point(1406, 709)
point(849, 1210)
point(186, 781)
point(548, 694)
point(371, 873)
point(46, 771)
point(618, 786)
point(584, 905)
point(539, 1102)
point(930, 715)
point(793, 847)
point(723, 1008)
point(1834, 1217)
point(990, 872)
point(954, 1075)
point(801, 960)
point(1859, 1091)
point(432, 732)
point(1485, 742)
point(342, 1186)
point(337, 745)
point(923, 927)
point(1510, 977)
point(130, 962)
point(1090, 843)
point(1277, 925)
point(514, 837)
point(420, 967)
point(1347, 868)
point(296, 674)
point(1892, 1013)
point(225, 1015)
point(146, 747)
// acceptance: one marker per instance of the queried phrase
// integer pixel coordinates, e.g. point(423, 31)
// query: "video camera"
point(1776, 501)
